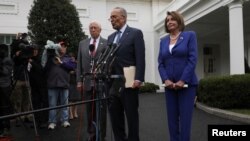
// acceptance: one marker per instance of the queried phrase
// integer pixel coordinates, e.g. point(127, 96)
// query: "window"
point(210, 65)
point(83, 12)
point(208, 60)
point(7, 38)
point(8, 7)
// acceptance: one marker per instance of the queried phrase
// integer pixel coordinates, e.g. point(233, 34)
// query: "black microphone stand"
point(102, 75)
point(99, 88)
point(92, 63)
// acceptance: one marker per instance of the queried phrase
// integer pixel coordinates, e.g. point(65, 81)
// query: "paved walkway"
point(153, 125)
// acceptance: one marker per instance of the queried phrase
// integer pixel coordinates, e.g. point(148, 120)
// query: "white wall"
point(14, 18)
point(146, 15)
point(139, 16)
point(93, 10)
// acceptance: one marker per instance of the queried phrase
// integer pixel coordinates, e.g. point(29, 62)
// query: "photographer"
point(57, 68)
point(20, 96)
point(38, 86)
point(6, 66)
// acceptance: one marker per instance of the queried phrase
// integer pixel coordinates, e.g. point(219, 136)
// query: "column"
point(236, 38)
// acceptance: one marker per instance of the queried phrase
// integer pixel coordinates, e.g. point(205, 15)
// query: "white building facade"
point(221, 26)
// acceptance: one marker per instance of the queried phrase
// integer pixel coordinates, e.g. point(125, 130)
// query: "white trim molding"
point(132, 15)
point(9, 7)
point(83, 12)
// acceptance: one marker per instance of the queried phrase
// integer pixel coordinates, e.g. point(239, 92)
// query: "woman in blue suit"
point(177, 61)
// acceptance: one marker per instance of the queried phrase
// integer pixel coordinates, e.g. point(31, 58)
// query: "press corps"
point(216, 132)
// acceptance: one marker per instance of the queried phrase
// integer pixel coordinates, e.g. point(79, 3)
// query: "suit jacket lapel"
point(86, 49)
point(167, 44)
point(125, 34)
point(180, 39)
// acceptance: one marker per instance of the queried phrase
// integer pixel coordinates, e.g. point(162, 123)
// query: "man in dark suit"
point(89, 50)
point(124, 100)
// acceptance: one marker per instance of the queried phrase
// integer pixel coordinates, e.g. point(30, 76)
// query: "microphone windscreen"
point(91, 47)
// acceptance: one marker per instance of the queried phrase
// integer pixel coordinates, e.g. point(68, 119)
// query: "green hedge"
point(225, 91)
point(148, 88)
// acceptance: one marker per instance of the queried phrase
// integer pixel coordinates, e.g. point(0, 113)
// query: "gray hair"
point(96, 22)
point(123, 11)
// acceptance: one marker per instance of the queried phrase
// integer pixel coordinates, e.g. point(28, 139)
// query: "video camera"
point(51, 53)
point(26, 51)
point(22, 44)
point(52, 49)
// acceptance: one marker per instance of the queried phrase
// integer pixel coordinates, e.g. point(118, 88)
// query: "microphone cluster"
point(107, 54)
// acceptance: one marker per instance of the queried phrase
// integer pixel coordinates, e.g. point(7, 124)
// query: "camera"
point(22, 44)
point(26, 51)
point(51, 53)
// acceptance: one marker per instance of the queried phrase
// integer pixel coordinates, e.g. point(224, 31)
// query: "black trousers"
point(40, 100)
point(5, 107)
point(124, 101)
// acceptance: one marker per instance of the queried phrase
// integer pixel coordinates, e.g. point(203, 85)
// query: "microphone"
point(106, 52)
point(107, 49)
point(91, 48)
point(110, 53)
point(101, 56)
point(115, 48)
point(92, 63)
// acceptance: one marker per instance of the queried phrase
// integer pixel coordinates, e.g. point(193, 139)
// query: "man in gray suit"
point(88, 52)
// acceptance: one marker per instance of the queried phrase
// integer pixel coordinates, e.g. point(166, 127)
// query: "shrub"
point(148, 88)
point(225, 91)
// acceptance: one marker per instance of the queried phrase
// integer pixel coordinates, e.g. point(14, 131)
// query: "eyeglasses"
point(114, 17)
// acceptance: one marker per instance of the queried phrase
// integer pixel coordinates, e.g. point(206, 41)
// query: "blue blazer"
point(131, 52)
point(180, 65)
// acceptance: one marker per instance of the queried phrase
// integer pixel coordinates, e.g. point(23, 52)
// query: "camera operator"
point(6, 66)
point(38, 87)
point(57, 68)
point(20, 96)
